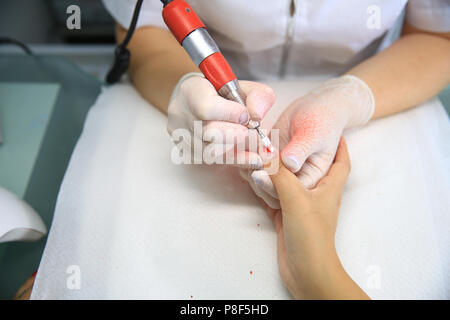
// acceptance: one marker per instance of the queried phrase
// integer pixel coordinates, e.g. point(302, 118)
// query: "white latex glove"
point(310, 130)
point(194, 98)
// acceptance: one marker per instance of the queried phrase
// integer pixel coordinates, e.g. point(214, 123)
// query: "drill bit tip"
point(265, 141)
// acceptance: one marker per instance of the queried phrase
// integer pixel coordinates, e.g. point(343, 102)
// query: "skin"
point(306, 228)
point(24, 291)
point(412, 70)
point(158, 62)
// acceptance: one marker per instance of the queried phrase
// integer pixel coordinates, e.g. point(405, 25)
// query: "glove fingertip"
point(244, 118)
point(262, 179)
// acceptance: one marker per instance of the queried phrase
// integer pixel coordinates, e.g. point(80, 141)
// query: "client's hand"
point(310, 129)
point(306, 227)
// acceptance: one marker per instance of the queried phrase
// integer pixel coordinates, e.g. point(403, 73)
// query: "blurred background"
point(44, 100)
point(42, 25)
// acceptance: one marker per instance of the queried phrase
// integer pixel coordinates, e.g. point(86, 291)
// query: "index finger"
point(260, 98)
point(206, 104)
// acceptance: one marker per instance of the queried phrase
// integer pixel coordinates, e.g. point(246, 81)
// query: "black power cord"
point(122, 54)
point(6, 40)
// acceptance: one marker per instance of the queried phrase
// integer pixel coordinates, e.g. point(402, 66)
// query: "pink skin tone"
point(310, 129)
point(309, 134)
point(304, 130)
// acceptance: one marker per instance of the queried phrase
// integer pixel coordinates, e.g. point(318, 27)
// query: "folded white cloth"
point(131, 224)
point(18, 221)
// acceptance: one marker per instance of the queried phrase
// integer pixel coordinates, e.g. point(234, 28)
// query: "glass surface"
point(25, 110)
point(77, 93)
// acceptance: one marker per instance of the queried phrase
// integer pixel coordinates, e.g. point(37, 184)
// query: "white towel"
point(130, 224)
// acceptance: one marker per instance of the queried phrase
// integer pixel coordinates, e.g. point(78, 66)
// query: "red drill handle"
point(181, 19)
point(191, 33)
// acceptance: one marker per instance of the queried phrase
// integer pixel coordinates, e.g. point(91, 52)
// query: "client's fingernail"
point(291, 163)
point(243, 119)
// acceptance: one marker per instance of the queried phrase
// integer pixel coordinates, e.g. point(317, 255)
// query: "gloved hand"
point(310, 130)
point(194, 99)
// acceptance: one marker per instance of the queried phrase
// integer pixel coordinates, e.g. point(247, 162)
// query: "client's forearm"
point(412, 70)
point(329, 281)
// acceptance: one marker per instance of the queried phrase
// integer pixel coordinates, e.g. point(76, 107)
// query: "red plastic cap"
point(181, 19)
point(217, 70)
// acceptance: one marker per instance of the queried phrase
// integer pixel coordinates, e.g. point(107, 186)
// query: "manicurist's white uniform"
point(271, 39)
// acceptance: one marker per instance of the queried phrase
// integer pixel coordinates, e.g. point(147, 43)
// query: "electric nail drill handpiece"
point(191, 33)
